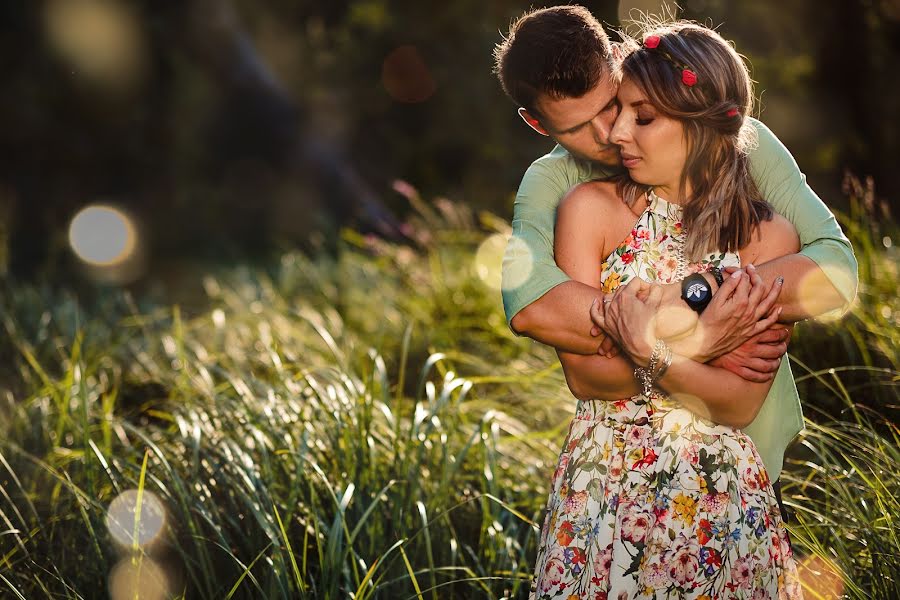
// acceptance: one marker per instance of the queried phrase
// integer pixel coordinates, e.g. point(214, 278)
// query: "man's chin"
point(610, 157)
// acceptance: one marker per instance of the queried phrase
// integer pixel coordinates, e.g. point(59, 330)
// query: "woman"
point(651, 499)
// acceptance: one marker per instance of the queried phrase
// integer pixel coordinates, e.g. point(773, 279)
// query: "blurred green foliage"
point(365, 423)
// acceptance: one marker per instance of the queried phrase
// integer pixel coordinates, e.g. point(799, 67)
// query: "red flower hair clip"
point(733, 112)
point(688, 77)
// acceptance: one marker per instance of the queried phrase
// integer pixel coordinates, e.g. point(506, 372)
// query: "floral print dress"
point(649, 500)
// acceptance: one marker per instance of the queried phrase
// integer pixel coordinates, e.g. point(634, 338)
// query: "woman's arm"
point(588, 216)
point(539, 299)
point(712, 392)
point(724, 396)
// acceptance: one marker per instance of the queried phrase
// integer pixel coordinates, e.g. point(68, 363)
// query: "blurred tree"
point(228, 126)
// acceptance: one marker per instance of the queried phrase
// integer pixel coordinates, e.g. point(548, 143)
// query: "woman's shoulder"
point(599, 198)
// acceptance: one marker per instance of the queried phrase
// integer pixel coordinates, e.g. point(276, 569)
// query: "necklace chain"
point(681, 266)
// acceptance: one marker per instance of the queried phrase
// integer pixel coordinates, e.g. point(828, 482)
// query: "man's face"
point(582, 125)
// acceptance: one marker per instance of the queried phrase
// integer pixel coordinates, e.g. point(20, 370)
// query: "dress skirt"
point(650, 501)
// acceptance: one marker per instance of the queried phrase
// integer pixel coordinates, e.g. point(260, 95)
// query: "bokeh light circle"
point(138, 577)
point(133, 513)
point(102, 236)
point(101, 39)
point(518, 263)
point(406, 76)
point(489, 260)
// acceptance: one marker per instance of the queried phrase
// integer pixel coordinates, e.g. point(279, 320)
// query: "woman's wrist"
point(658, 363)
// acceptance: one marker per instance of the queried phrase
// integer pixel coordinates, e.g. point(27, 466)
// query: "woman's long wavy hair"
point(724, 206)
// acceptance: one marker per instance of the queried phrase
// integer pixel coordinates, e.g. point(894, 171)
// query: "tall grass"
point(360, 426)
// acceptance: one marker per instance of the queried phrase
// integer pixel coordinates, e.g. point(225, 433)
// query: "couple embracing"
point(664, 248)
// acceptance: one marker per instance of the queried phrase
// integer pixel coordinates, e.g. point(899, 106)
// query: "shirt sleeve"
point(529, 268)
point(780, 181)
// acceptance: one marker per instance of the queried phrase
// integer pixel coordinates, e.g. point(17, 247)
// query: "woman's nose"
point(619, 131)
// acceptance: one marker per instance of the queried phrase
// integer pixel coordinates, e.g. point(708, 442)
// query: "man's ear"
point(532, 122)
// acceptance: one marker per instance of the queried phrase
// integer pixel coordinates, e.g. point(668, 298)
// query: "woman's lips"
point(629, 161)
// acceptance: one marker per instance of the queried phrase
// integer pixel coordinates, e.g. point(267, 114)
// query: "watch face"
point(697, 292)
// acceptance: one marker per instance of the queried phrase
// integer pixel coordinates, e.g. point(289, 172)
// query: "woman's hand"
point(741, 308)
point(629, 318)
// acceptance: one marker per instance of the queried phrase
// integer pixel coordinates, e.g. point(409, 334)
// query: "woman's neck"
point(672, 194)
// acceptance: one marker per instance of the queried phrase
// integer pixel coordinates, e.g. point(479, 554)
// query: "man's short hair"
point(560, 51)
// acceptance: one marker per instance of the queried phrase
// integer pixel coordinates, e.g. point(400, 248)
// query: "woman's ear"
point(617, 53)
point(532, 122)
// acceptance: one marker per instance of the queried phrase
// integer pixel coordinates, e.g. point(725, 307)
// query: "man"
point(556, 65)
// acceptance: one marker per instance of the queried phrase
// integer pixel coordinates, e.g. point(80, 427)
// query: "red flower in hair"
point(733, 112)
point(651, 41)
point(688, 77)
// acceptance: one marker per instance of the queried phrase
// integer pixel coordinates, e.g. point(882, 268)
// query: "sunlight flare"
point(489, 260)
point(136, 520)
point(103, 236)
point(518, 263)
point(138, 579)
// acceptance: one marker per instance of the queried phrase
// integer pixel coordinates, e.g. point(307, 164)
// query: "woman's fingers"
point(632, 289)
point(770, 320)
point(766, 304)
point(757, 287)
point(654, 298)
point(728, 287)
point(741, 296)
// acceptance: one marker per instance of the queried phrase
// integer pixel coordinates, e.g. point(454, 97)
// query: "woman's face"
point(653, 146)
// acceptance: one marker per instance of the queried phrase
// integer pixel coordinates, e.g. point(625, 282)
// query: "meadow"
point(362, 424)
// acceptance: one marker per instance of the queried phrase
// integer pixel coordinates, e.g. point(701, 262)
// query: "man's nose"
point(602, 129)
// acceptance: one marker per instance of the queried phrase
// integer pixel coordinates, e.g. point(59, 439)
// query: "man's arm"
point(539, 299)
point(823, 277)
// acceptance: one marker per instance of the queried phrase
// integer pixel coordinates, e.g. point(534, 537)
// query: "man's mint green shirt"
point(530, 271)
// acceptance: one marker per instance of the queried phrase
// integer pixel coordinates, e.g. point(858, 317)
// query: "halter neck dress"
point(649, 500)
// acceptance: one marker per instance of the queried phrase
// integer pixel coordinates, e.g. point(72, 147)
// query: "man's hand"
point(758, 358)
point(608, 346)
point(739, 310)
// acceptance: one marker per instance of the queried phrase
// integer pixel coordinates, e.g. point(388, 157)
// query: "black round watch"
point(695, 290)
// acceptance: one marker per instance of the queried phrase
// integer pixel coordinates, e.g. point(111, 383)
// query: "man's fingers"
point(761, 365)
point(607, 347)
point(767, 351)
point(597, 312)
point(769, 301)
point(772, 335)
point(755, 376)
